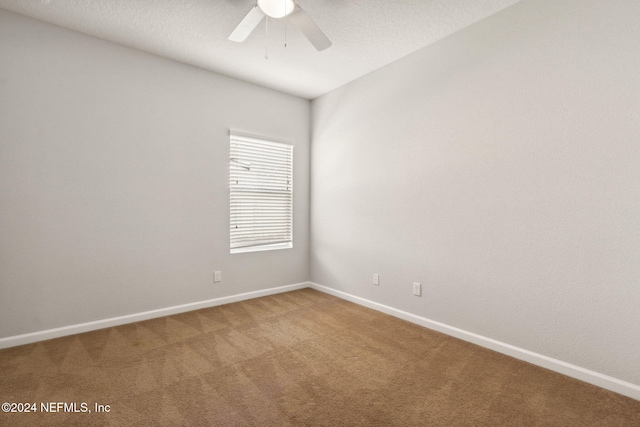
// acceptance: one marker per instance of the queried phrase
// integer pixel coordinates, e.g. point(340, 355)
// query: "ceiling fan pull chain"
point(266, 43)
point(286, 21)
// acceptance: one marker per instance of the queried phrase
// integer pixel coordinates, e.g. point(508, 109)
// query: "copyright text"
point(75, 407)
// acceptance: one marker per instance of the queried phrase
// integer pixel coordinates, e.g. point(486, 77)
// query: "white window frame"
point(260, 199)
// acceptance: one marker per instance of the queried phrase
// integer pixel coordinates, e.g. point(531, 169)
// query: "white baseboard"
point(136, 317)
point(586, 375)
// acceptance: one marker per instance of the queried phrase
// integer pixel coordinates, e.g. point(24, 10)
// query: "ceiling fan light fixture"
point(276, 8)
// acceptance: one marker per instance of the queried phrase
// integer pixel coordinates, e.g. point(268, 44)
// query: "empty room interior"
point(458, 232)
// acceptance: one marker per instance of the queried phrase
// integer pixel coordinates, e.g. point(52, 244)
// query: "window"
point(261, 194)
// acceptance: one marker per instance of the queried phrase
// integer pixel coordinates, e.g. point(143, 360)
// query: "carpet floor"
point(302, 358)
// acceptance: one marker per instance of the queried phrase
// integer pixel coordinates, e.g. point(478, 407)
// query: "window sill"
point(274, 247)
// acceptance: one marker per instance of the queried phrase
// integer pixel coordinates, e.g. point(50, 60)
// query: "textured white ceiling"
point(366, 34)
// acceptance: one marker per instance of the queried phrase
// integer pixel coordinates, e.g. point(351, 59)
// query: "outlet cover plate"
point(417, 289)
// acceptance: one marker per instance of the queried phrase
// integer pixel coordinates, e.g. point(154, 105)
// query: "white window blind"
point(261, 194)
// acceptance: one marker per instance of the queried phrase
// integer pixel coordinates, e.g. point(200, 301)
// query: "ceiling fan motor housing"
point(276, 8)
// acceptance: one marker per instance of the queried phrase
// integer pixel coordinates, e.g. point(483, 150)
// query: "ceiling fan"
point(279, 9)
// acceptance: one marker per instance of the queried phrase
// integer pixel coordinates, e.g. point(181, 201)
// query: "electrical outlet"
point(217, 276)
point(376, 279)
point(417, 289)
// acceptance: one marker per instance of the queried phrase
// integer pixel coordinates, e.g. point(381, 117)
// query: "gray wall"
point(500, 167)
point(114, 180)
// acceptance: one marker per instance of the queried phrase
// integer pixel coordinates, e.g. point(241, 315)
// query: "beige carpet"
point(301, 358)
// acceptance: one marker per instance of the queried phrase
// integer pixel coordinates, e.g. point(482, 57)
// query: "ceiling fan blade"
point(247, 25)
point(303, 21)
